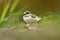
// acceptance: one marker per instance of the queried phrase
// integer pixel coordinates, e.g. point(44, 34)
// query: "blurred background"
point(36, 6)
point(11, 13)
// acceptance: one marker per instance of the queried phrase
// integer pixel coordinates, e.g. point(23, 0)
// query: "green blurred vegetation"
point(9, 15)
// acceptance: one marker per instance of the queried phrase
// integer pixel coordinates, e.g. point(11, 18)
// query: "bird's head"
point(27, 12)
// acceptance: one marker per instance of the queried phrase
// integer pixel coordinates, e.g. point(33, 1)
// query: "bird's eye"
point(27, 12)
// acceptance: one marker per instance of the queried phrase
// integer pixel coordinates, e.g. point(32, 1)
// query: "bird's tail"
point(39, 18)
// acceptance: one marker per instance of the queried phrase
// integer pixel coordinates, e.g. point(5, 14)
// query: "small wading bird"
point(31, 20)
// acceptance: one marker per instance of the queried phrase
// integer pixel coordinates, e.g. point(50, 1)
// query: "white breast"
point(29, 19)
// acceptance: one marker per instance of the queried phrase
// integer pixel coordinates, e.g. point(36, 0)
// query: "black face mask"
point(26, 13)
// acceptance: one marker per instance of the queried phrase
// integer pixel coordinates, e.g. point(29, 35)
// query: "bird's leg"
point(34, 24)
point(27, 26)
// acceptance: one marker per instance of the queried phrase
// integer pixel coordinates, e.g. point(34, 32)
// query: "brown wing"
point(33, 16)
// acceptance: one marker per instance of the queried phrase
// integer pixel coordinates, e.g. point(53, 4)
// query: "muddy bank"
point(28, 35)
